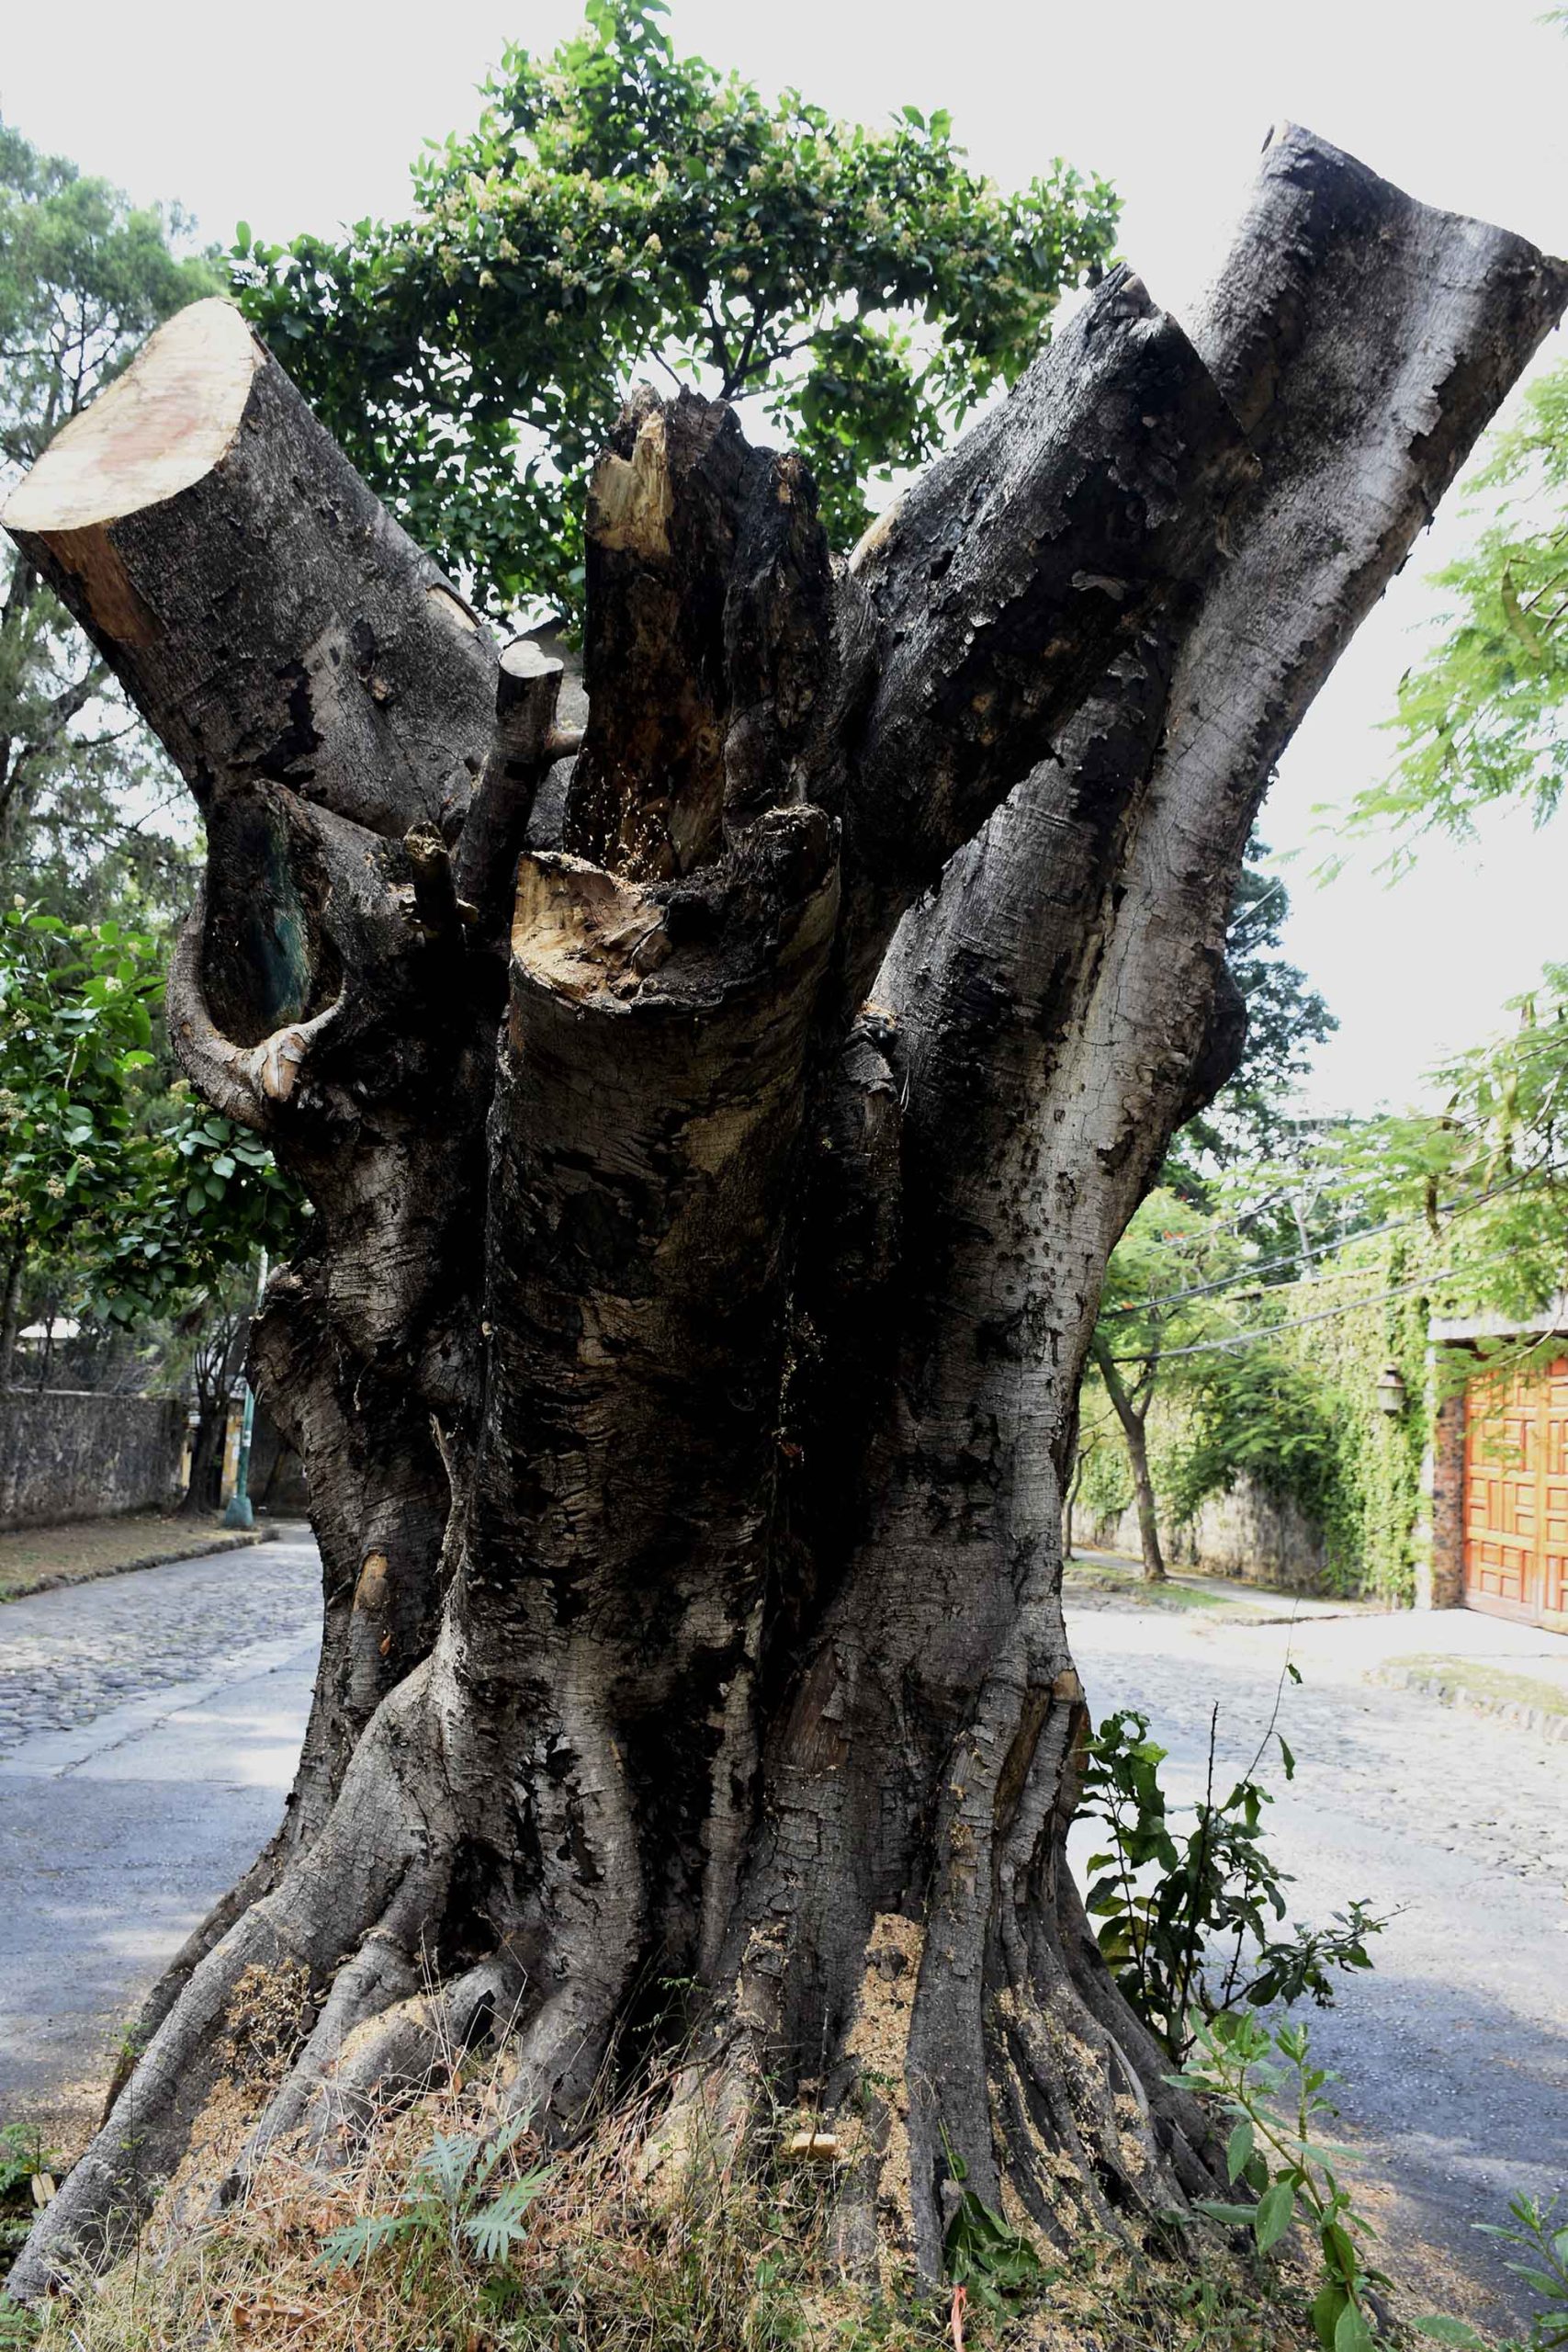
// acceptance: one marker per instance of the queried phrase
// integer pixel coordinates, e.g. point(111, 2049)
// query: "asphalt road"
point(149, 1725)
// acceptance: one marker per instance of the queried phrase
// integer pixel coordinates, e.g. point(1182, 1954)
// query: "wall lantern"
point(1390, 1389)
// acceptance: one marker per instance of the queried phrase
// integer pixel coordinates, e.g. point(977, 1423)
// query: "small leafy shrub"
point(1279, 2149)
point(447, 2202)
point(1217, 1884)
point(22, 2157)
point(18, 2327)
point(1544, 2269)
point(986, 2260)
point(1276, 2149)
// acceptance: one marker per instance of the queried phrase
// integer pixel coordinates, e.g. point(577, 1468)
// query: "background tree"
point(127, 1199)
point(1157, 1300)
point(1164, 1293)
point(620, 209)
point(85, 797)
point(711, 1211)
point(1484, 1176)
point(1253, 1116)
point(1482, 717)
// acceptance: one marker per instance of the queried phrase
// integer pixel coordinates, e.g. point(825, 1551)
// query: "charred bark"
point(684, 1355)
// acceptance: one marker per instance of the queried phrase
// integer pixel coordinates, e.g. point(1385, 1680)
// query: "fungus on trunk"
point(712, 1205)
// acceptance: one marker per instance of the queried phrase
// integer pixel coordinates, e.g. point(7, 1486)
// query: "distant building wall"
point(71, 1454)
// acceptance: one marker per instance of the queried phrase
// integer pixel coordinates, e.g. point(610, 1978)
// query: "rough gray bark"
point(684, 1355)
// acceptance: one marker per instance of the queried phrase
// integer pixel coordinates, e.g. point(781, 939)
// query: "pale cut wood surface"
point(164, 423)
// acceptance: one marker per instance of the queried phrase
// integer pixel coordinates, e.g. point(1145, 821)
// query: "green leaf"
point(1326, 2310)
point(447, 2163)
point(1239, 2151)
point(1522, 629)
point(496, 2228)
point(1443, 2329)
point(1541, 2280)
point(1273, 2214)
point(1239, 2216)
point(1339, 2251)
point(500, 2144)
point(1351, 2332)
point(357, 2240)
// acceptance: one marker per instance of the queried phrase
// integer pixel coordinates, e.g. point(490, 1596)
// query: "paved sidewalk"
point(149, 1727)
point(1262, 1599)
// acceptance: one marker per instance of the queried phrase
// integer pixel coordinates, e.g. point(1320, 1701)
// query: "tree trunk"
point(1132, 1413)
point(218, 1357)
point(204, 1489)
point(711, 1211)
point(11, 1314)
point(1137, 1433)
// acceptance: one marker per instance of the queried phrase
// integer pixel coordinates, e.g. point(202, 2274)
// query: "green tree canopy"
point(1252, 1118)
point(1486, 1175)
point(83, 276)
point(134, 1197)
point(623, 209)
point(1482, 717)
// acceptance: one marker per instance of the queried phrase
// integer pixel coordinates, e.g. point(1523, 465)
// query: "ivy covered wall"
point(1295, 1414)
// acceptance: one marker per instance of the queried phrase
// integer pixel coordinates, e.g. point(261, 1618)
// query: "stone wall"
point(79, 1453)
point(1245, 1534)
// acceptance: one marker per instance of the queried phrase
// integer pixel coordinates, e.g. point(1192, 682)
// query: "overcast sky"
point(305, 113)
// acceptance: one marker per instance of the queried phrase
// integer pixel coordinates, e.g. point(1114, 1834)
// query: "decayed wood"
point(525, 744)
point(684, 1349)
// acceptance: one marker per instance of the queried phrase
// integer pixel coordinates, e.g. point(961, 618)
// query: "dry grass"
point(609, 2254)
point(726, 2262)
point(1099, 1581)
point(34, 1559)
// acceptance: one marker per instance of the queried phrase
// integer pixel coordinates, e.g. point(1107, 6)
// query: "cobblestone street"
point(68, 1655)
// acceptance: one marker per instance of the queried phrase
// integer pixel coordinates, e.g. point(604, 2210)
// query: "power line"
point(1240, 1341)
point(1325, 1249)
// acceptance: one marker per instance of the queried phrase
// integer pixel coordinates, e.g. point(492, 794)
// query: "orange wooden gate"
point(1515, 1496)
